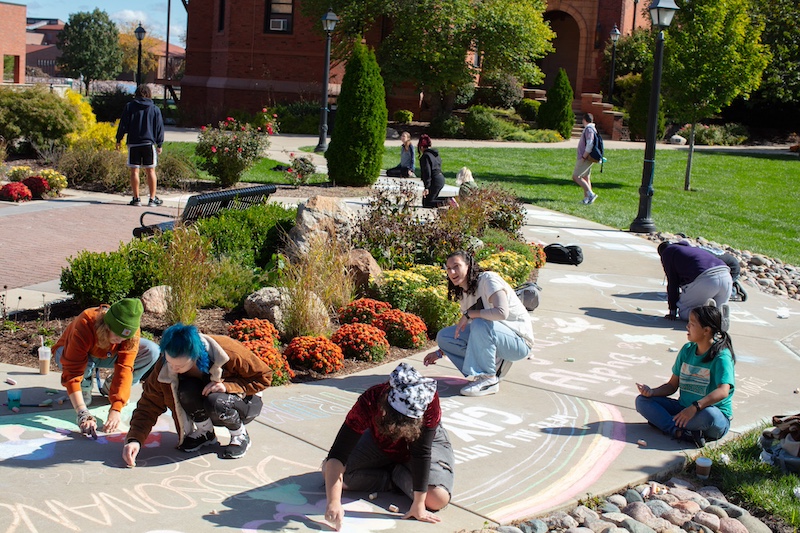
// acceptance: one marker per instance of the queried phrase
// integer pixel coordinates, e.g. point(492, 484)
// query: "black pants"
point(223, 408)
point(398, 172)
point(437, 184)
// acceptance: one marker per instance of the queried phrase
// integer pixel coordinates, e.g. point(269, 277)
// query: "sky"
point(151, 13)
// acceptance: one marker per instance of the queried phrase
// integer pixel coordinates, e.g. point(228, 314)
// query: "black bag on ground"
point(563, 255)
point(528, 293)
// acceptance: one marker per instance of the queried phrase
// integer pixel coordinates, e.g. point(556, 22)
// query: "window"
point(278, 16)
point(221, 17)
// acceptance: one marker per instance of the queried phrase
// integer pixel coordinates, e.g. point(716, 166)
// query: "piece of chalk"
point(393, 508)
point(570, 359)
point(673, 349)
point(10, 381)
point(373, 495)
point(15, 409)
point(641, 442)
point(213, 512)
point(639, 309)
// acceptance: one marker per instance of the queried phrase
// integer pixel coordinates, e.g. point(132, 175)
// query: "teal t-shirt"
point(698, 378)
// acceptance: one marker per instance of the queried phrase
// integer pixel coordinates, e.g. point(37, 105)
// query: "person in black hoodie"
point(141, 121)
point(431, 171)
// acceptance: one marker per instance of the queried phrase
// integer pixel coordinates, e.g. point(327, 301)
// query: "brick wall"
point(12, 36)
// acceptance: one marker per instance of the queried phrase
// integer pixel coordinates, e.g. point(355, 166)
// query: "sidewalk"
point(563, 425)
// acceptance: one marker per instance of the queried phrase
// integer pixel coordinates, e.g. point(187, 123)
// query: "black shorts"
point(142, 156)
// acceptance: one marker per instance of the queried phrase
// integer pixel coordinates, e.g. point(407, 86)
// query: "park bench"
point(207, 205)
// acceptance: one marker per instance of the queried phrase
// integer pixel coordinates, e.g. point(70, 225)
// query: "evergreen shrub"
point(640, 109)
point(144, 257)
point(403, 116)
point(446, 126)
point(355, 153)
point(528, 109)
point(481, 123)
point(556, 113)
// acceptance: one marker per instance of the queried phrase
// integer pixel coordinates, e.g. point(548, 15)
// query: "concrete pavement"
point(563, 425)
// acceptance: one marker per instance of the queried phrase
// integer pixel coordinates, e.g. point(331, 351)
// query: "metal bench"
point(206, 205)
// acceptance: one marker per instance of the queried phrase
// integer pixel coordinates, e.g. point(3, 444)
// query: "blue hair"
point(184, 341)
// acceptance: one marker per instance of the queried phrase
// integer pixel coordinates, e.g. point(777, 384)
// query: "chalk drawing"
point(579, 279)
point(750, 387)
point(576, 325)
point(652, 339)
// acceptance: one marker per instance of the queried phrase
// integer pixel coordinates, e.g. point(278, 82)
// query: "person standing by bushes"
point(142, 122)
point(582, 175)
point(704, 374)
point(430, 164)
point(407, 164)
point(494, 329)
point(393, 436)
point(104, 337)
point(204, 380)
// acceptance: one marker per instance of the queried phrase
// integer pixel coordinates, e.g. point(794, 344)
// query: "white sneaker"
point(592, 197)
point(503, 367)
point(725, 311)
point(483, 385)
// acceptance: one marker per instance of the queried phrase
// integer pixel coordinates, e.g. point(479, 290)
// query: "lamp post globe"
point(329, 21)
point(140, 33)
point(661, 12)
point(615, 33)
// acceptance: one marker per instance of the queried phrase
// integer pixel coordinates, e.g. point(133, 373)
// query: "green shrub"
point(534, 136)
point(99, 170)
point(513, 267)
point(625, 87)
point(144, 257)
point(397, 287)
point(403, 116)
point(174, 169)
point(108, 106)
point(230, 148)
point(355, 153)
point(433, 307)
point(465, 94)
point(503, 90)
point(36, 116)
point(500, 207)
point(446, 127)
point(716, 135)
point(434, 275)
point(97, 277)
point(556, 113)
point(640, 109)
point(528, 109)
point(481, 123)
point(230, 283)
point(496, 240)
point(298, 117)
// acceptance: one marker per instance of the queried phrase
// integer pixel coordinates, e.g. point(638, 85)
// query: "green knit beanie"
point(122, 318)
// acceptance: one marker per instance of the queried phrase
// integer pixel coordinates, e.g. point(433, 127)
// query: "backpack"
point(596, 155)
point(528, 293)
point(563, 255)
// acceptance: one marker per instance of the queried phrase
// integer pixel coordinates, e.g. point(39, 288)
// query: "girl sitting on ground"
point(407, 164)
point(704, 374)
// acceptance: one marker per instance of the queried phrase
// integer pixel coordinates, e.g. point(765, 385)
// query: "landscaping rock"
point(583, 513)
point(534, 526)
point(323, 217)
point(658, 507)
point(677, 516)
point(268, 303)
point(668, 498)
point(154, 300)
point(734, 511)
point(560, 520)
point(639, 511)
point(599, 526)
point(711, 521)
point(608, 507)
point(677, 139)
point(579, 530)
point(631, 495)
point(362, 266)
point(753, 524)
point(615, 518)
point(731, 525)
point(689, 506)
point(711, 492)
point(618, 500)
point(716, 510)
point(508, 529)
point(636, 527)
point(694, 527)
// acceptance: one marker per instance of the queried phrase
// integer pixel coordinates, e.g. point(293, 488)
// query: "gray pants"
point(714, 283)
point(145, 358)
point(370, 470)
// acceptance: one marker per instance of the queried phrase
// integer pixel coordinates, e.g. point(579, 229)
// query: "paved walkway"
point(563, 425)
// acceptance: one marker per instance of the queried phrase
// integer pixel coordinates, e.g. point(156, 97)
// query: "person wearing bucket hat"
point(393, 437)
point(104, 337)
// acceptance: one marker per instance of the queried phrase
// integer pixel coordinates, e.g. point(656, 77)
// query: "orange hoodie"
point(79, 341)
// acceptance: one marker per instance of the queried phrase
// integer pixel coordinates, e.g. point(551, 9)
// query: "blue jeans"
point(480, 345)
point(145, 359)
point(660, 410)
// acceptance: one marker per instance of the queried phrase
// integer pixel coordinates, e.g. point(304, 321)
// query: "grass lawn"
point(745, 200)
point(754, 483)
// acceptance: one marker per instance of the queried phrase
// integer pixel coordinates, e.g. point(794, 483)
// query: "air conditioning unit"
point(278, 24)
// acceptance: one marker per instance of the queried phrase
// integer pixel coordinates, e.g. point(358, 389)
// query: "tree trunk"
point(687, 180)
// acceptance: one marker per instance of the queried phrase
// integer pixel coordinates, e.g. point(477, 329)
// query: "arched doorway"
point(567, 47)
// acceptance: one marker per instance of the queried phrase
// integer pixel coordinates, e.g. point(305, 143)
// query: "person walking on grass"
point(204, 380)
point(582, 175)
point(494, 330)
point(142, 122)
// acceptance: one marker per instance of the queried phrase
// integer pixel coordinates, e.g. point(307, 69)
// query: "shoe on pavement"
point(237, 447)
point(725, 311)
point(483, 385)
point(154, 202)
point(136, 201)
point(503, 367)
point(591, 198)
point(737, 287)
point(197, 439)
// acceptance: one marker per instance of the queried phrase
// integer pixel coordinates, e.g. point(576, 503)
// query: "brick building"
point(242, 55)
point(12, 41)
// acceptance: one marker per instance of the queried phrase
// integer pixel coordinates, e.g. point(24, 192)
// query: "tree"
point(634, 54)
point(640, 109)
point(556, 113)
point(89, 45)
point(781, 22)
point(428, 41)
point(355, 153)
point(714, 55)
point(37, 116)
point(130, 50)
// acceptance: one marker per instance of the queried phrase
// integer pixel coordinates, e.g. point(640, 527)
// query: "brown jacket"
point(232, 363)
point(79, 341)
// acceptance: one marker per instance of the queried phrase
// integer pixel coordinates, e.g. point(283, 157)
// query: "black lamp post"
point(635, 9)
point(614, 38)
point(329, 21)
point(661, 12)
point(140, 33)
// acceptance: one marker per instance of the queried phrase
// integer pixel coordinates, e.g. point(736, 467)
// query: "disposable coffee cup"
point(44, 359)
point(703, 467)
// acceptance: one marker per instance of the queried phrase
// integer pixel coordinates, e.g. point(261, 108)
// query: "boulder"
point(321, 217)
point(631, 495)
point(582, 513)
point(618, 500)
point(560, 520)
point(534, 526)
point(753, 524)
point(677, 139)
point(711, 521)
point(635, 526)
point(639, 511)
point(272, 303)
point(658, 507)
point(362, 266)
point(154, 300)
point(731, 525)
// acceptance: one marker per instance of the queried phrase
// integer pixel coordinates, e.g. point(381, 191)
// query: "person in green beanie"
point(104, 337)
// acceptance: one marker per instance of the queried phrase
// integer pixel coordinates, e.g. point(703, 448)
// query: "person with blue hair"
point(205, 381)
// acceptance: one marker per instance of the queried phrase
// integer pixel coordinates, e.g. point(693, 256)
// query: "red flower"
point(214, 149)
point(203, 128)
point(230, 119)
point(239, 149)
point(226, 149)
point(264, 110)
point(290, 170)
point(269, 129)
point(274, 115)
